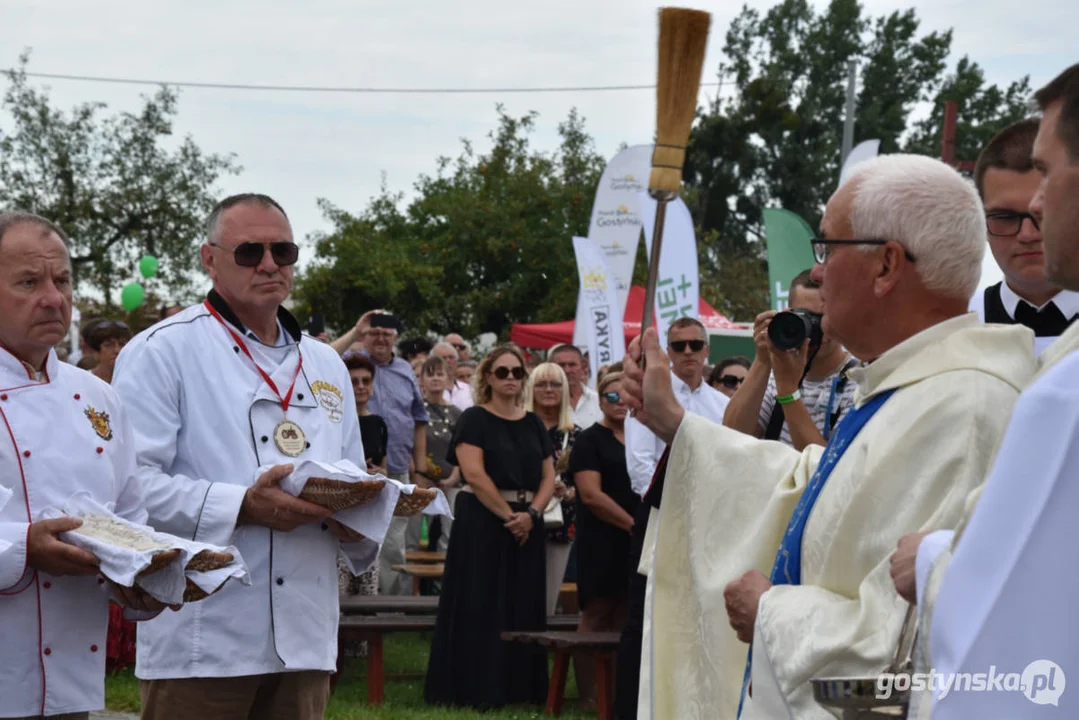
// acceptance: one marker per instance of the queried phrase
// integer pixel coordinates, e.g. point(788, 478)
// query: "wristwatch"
point(535, 514)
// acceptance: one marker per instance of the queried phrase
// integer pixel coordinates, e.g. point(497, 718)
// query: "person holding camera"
point(796, 391)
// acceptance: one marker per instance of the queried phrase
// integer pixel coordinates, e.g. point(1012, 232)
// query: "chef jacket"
point(62, 433)
point(204, 422)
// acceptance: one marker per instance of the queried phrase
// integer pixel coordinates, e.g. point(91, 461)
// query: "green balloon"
point(148, 266)
point(132, 296)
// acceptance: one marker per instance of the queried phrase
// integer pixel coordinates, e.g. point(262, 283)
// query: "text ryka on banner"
point(677, 288)
point(598, 303)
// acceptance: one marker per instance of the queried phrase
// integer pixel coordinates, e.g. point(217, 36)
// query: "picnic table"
point(420, 572)
point(403, 604)
point(602, 646)
point(425, 556)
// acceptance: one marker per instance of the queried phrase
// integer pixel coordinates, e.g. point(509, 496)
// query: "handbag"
point(552, 514)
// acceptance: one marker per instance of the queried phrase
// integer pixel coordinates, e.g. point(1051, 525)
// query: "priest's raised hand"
point(648, 391)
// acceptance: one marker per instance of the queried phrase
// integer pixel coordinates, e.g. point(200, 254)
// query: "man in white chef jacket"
point(62, 431)
point(214, 393)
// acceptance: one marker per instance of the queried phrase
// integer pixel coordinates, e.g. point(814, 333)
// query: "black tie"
point(1047, 322)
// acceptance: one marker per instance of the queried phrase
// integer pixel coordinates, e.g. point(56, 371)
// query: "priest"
point(759, 544)
point(997, 595)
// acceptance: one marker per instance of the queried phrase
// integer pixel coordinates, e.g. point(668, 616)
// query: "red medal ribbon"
point(265, 376)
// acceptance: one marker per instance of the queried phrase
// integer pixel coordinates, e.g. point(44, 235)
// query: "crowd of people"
point(744, 528)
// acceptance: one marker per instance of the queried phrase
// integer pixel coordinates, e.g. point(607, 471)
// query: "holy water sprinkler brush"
point(683, 35)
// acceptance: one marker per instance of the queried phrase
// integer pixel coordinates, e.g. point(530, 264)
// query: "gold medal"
point(289, 438)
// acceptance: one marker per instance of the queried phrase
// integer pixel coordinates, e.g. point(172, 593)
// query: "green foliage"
point(775, 141)
point(485, 242)
point(121, 186)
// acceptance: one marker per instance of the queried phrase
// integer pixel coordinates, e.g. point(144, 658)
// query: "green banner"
point(789, 252)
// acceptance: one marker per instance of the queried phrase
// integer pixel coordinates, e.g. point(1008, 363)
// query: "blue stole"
point(787, 569)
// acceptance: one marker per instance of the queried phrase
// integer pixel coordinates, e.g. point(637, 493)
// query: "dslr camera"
point(791, 328)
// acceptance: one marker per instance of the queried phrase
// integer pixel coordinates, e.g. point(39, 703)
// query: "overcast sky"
point(299, 147)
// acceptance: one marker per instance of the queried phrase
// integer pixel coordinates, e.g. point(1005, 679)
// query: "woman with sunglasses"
point(495, 578)
point(729, 374)
point(606, 506)
point(547, 395)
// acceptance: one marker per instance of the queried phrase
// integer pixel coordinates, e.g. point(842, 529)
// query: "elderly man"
point(459, 394)
point(1004, 601)
point(464, 350)
point(218, 393)
point(899, 258)
point(583, 401)
point(397, 399)
point(66, 433)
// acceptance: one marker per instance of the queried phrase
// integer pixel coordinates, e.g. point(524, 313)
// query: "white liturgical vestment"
point(729, 497)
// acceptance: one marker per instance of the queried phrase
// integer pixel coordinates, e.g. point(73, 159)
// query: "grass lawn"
point(404, 653)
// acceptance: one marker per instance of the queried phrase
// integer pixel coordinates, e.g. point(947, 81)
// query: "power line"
point(366, 90)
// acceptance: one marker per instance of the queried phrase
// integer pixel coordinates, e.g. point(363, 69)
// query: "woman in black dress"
point(607, 504)
point(495, 575)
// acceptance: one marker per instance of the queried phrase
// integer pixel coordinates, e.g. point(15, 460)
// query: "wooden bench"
point(372, 628)
point(420, 572)
point(403, 604)
point(601, 646)
point(425, 556)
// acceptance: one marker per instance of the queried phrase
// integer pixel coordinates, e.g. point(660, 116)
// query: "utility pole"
point(848, 120)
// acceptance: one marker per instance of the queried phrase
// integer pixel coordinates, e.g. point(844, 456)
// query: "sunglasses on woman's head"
point(504, 372)
point(612, 397)
point(250, 254)
point(731, 381)
point(694, 345)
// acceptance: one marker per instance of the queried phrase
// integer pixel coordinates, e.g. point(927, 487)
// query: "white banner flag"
point(598, 303)
point(677, 289)
point(615, 227)
point(865, 150)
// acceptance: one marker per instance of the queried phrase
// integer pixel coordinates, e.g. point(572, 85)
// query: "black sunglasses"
point(694, 345)
point(731, 381)
point(250, 254)
point(820, 247)
point(460, 346)
point(504, 372)
point(1008, 224)
point(104, 324)
point(612, 397)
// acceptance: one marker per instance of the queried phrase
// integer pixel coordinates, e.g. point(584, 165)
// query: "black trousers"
point(628, 661)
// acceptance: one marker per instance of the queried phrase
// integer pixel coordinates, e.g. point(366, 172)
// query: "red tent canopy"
point(545, 335)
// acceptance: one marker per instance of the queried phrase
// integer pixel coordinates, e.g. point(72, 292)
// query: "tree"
point(775, 140)
point(485, 242)
point(112, 183)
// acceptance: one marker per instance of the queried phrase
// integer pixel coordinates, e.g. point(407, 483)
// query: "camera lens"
point(789, 330)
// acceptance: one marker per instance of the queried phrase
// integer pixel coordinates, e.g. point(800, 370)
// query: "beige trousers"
point(281, 696)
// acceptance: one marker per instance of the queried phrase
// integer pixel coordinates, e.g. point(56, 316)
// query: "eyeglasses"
point(504, 372)
point(731, 381)
point(250, 254)
point(612, 397)
point(105, 324)
point(1008, 224)
point(821, 252)
point(679, 346)
point(460, 347)
point(547, 385)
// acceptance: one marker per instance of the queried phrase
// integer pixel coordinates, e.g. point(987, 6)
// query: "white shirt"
point(460, 395)
point(204, 421)
point(643, 448)
point(587, 412)
point(64, 433)
point(1067, 301)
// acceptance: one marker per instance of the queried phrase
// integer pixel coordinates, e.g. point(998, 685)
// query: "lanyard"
point(285, 399)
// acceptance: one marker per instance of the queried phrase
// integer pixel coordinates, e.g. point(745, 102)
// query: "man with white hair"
point(789, 551)
point(459, 394)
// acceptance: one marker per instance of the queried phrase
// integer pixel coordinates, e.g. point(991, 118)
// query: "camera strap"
point(775, 422)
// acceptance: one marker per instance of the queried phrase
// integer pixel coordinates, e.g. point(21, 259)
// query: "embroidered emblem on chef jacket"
point(330, 398)
point(99, 421)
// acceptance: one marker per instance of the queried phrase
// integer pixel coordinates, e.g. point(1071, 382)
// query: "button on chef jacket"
point(204, 420)
point(60, 433)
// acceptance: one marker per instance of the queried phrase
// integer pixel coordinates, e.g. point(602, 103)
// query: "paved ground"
point(110, 715)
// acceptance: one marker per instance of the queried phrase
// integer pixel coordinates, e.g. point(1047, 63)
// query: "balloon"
point(132, 296)
point(148, 266)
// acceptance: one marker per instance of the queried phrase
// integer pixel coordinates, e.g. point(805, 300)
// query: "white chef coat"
point(643, 448)
point(204, 421)
point(60, 434)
